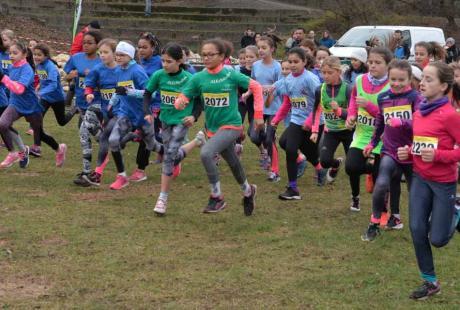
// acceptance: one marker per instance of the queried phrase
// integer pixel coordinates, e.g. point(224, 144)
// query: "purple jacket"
point(400, 106)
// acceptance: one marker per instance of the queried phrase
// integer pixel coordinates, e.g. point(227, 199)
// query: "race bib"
point(81, 82)
point(299, 103)
point(402, 112)
point(219, 100)
point(107, 93)
point(423, 143)
point(330, 116)
point(365, 118)
point(6, 63)
point(42, 74)
point(128, 84)
point(168, 97)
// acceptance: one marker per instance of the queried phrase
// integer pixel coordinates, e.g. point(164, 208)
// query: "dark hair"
point(323, 48)
point(398, 31)
point(445, 74)
point(299, 52)
point(456, 92)
point(25, 50)
point(309, 44)
point(95, 34)
point(174, 51)
point(361, 70)
point(45, 49)
point(223, 47)
point(425, 45)
point(386, 54)
point(269, 40)
point(301, 28)
point(153, 40)
point(2, 47)
point(400, 64)
point(437, 51)
point(311, 61)
point(186, 50)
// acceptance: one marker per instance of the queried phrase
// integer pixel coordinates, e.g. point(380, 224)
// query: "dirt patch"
point(18, 288)
point(54, 241)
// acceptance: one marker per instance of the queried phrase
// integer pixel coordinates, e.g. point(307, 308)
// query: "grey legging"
point(223, 142)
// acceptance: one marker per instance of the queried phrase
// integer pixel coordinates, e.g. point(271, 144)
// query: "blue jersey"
point(267, 75)
point(301, 92)
point(3, 97)
point(82, 64)
point(103, 80)
point(27, 102)
point(152, 65)
point(133, 76)
point(50, 82)
point(5, 63)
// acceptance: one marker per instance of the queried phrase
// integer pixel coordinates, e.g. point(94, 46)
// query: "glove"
point(120, 90)
point(395, 122)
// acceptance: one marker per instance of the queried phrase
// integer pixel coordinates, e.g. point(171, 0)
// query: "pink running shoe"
point(10, 159)
point(119, 183)
point(177, 170)
point(60, 155)
point(138, 176)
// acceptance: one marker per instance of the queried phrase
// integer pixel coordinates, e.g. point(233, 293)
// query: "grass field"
point(65, 247)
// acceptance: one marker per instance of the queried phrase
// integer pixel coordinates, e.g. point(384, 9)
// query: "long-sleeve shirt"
point(401, 106)
point(438, 130)
point(50, 82)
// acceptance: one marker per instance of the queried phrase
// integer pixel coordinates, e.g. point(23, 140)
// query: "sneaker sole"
point(290, 198)
point(397, 227)
point(426, 297)
point(355, 210)
point(216, 211)
point(138, 180)
point(90, 182)
point(158, 213)
point(366, 239)
point(117, 189)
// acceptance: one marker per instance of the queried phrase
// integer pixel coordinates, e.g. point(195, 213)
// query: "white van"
point(356, 38)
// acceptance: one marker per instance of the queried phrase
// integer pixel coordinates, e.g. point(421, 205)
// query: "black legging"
point(294, 138)
point(59, 111)
point(246, 109)
point(328, 145)
point(356, 165)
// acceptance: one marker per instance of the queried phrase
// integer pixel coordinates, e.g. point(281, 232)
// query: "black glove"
point(120, 90)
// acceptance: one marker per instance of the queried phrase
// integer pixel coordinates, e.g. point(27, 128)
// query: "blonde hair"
point(9, 33)
point(111, 43)
point(332, 62)
point(254, 49)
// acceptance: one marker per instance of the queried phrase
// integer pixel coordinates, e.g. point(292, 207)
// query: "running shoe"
point(321, 177)
point(290, 194)
point(301, 166)
point(138, 176)
point(394, 223)
point(35, 151)
point(93, 178)
point(369, 183)
point(249, 203)
point(215, 204)
point(274, 177)
point(80, 179)
point(200, 138)
point(60, 155)
point(177, 170)
point(24, 158)
point(332, 172)
point(355, 207)
point(120, 182)
point(9, 160)
point(160, 207)
point(371, 232)
point(426, 290)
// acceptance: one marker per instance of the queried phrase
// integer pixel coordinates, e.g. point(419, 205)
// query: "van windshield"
point(362, 37)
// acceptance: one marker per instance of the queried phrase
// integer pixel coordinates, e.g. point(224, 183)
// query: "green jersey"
point(219, 93)
point(365, 123)
point(334, 122)
point(170, 86)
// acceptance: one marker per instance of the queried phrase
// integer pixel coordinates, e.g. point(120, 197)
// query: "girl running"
point(149, 58)
point(175, 124)
point(51, 95)
point(8, 38)
point(394, 122)
point(23, 103)
point(432, 212)
point(362, 111)
point(130, 76)
point(331, 99)
point(77, 68)
point(103, 77)
point(218, 87)
point(298, 92)
point(267, 71)
point(358, 66)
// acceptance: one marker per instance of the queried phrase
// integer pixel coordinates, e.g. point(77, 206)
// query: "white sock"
point(398, 216)
point(215, 189)
point(163, 196)
point(123, 174)
point(246, 188)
